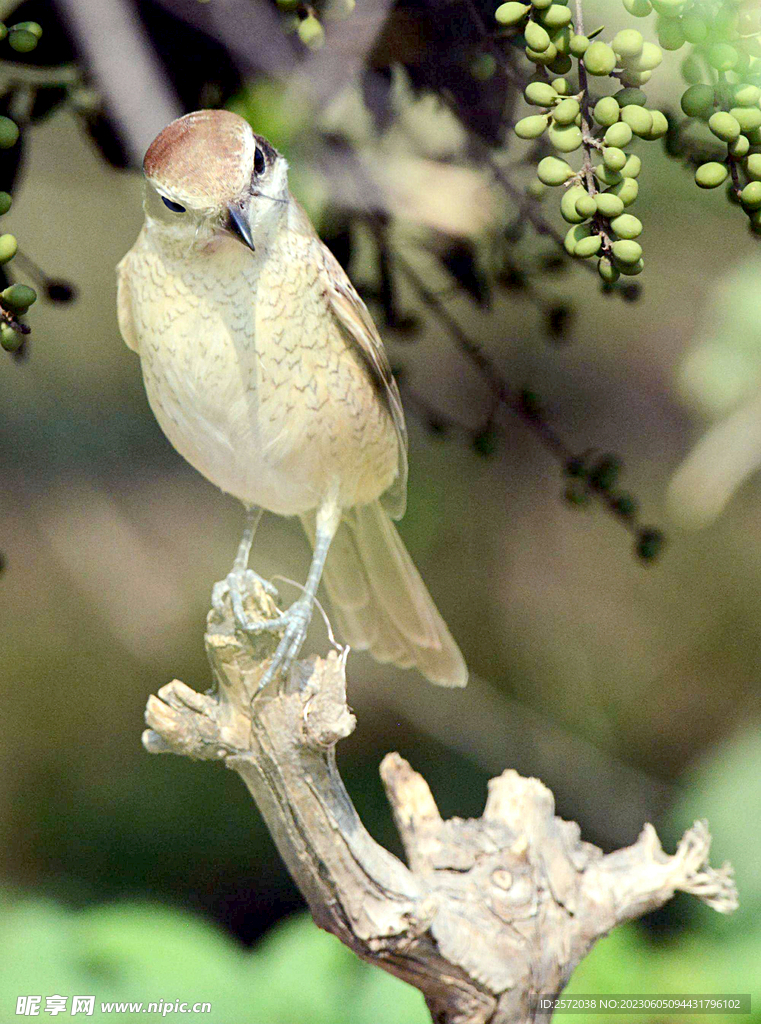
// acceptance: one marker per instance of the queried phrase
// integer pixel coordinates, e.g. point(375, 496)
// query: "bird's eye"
point(259, 162)
point(174, 207)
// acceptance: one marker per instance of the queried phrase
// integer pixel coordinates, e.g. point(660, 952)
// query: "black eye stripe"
point(259, 162)
point(174, 207)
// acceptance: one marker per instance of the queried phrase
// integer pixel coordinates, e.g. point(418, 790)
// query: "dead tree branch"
point(490, 914)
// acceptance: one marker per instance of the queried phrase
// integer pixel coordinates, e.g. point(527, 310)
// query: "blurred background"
point(631, 689)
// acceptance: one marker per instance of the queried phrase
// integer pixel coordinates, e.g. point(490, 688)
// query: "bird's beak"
point(238, 225)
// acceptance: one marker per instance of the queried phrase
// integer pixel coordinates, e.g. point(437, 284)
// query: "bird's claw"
point(296, 621)
point(237, 585)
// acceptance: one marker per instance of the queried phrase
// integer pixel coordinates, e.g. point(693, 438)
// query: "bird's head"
point(209, 176)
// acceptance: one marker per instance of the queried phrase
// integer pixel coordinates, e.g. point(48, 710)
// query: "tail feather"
point(379, 601)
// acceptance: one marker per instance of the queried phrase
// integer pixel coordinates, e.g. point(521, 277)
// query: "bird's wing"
point(355, 321)
point(124, 304)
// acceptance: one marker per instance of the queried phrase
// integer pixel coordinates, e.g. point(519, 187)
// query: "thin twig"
point(486, 366)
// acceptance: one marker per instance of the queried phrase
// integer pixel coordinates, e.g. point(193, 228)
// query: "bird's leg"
point(296, 618)
point(238, 582)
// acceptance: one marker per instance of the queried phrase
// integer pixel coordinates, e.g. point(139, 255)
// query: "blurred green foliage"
point(143, 953)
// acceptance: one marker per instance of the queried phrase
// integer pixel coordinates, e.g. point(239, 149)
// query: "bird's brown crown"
point(204, 156)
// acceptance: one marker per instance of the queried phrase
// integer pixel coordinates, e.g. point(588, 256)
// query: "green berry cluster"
point(597, 193)
point(547, 31)
point(723, 71)
point(17, 298)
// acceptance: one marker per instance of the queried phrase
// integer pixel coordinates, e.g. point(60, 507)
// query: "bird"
point(266, 372)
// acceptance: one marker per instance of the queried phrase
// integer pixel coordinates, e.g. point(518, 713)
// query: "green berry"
point(753, 166)
point(613, 157)
point(553, 171)
point(747, 95)
point(536, 189)
point(627, 190)
point(626, 251)
point(561, 65)
point(722, 56)
point(625, 97)
point(574, 236)
point(628, 43)
point(627, 226)
point(639, 119)
point(511, 13)
point(562, 86)
point(671, 35)
point(648, 60)
point(18, 297)
point(607, 271)
point(609, 205)
point(607, 175)
point(630, 269)
point(10, 340)
point(586, 247)
point(634, 79)
point(599, 59)
point(532, 127)
point(632, 167)
point(724, 126)
point(568, 204)
point(541, 5)
point(750, 196)
point(739, 148)
point(755, 222)
point(537, 38)
point(556, 16)
point(606, 111)
point(565, 137)
point(542, 56)
point(5, 202)
point(698, 100)
point(659, 127)
point(586, 206)
point(8, 247)
point(567, 111)
point(578, 45)
point(694, 28)
point(620, 135)
point(638, 8)
point(540, 94)
point(311, 33)
point(8, 133)
point(711, 174)
point(21, 41)
point(747, 117)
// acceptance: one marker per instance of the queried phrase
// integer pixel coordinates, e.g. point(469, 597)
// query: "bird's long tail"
point(379, 601)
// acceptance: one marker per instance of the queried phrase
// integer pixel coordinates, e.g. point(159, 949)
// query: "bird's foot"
point(295, 620)
point(237, 585)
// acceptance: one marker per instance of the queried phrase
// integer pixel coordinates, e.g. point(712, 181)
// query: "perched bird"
point(265, 371)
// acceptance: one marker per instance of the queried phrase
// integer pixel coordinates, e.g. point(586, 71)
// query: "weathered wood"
point(491, 912)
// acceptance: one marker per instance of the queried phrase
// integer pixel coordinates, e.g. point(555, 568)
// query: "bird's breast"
point(255, 386)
